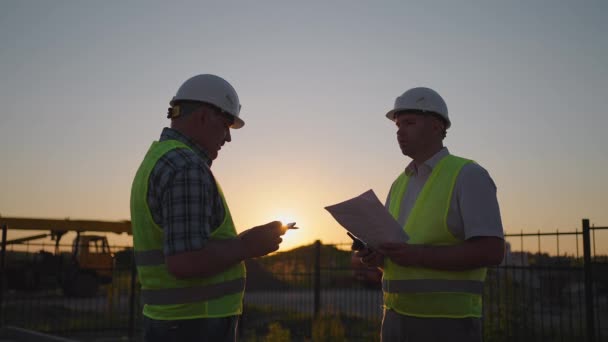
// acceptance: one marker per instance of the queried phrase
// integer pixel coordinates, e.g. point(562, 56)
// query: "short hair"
point(184, 108)
point(445, 123)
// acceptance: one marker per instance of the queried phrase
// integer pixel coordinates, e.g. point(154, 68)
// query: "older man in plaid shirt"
point(188, 255)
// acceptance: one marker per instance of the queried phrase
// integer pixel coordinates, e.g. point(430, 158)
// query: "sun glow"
point(286, 218)
point(292, 237)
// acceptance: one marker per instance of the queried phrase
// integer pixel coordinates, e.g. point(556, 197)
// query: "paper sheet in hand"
point(366, 218)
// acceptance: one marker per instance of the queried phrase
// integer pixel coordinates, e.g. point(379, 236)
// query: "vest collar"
point(412, 170)
point(172, 134)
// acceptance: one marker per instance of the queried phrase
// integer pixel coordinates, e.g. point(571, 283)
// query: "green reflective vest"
point(424, 292)
point(164, 296)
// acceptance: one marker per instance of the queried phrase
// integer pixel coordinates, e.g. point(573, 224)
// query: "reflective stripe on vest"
point(432, 285)
point(180, 295)
point(192, 294)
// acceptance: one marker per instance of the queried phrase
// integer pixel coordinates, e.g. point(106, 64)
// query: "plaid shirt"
point(183, 196)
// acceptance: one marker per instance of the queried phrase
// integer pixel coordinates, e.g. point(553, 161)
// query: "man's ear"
point(204, 115)
point(438, 124)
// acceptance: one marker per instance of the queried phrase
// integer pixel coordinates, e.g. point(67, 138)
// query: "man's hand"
point(402, 254)
point(482, 251)
point(370, 257)
point(219, 254)
point(261, 240)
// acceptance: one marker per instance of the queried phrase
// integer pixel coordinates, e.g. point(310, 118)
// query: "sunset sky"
point(84, 88)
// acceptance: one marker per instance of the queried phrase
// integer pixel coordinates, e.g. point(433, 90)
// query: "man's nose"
point(227, 137)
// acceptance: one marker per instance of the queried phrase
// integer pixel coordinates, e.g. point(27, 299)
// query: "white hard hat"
point(213, 90)
point(423, 100)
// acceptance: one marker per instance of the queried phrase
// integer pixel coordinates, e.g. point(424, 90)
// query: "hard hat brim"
point(238, 123)
point(391, 115)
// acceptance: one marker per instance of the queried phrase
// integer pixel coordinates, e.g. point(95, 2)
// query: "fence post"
point(132, 298)
point(590, 317)
point(521, 237)
point(2, 258)
point(557, 239)
point(317, 276)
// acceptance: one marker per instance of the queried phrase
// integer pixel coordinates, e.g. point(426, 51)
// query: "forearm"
point(471, 254)
point(215, 257)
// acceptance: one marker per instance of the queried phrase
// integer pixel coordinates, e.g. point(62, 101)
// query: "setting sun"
point(293, 237)
point(286, 219)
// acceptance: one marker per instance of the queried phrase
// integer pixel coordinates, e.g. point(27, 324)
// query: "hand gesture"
point(261, 240)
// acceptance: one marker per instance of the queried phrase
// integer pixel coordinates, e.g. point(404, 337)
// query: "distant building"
point(514, 258)
point(516, 265)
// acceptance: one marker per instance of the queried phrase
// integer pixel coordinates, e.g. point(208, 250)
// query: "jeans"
point(191, 330)
point(401, 328)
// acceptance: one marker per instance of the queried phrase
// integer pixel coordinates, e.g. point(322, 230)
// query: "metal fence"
point(536, 296)
point(310, 294)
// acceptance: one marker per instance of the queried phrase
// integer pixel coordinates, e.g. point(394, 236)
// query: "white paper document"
point(367, 219)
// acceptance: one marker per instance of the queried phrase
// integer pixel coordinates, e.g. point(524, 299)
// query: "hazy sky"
point(84, 88)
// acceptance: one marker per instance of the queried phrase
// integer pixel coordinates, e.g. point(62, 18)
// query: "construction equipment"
point(79, 273)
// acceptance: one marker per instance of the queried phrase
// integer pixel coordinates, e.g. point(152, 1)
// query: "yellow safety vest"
point(164, 296)
point(425, 292)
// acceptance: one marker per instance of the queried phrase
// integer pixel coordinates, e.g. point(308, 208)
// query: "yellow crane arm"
point(66, 225)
